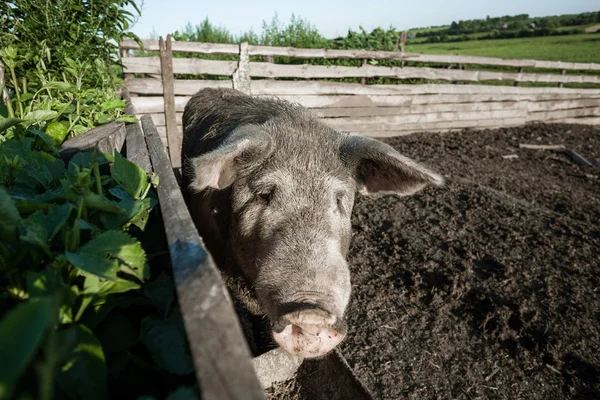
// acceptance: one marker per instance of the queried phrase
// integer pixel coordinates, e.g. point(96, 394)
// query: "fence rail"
point(232, 49)
point(369, 109)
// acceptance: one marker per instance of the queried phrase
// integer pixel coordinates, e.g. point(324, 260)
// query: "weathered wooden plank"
point(453, 107)
point(426, 118)
point(269, 70)
point(186, 47)
point(221, 355)
point(215, 48)
point(454, 119)
point(194, 66)
point(187, 87)
point(159, 118)
point(368, 126)
point(135, 144)
point(162, 130)
point(397, 101)
point(557, 115)
point(173, 138)
point(106, 138)
point(148, 105)
point(306, 71)
point(542, 146)
point(585, 121)
point(181, 86)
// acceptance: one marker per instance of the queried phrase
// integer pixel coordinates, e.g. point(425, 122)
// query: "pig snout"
point(308, 331)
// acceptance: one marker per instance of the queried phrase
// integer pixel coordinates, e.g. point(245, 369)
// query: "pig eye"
point(265, 196)
point(339, 198)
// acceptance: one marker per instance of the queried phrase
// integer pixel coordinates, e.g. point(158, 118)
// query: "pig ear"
point(218, 168)
point(380, 168)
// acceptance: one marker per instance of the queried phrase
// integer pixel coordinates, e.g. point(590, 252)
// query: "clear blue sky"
point(334, 17)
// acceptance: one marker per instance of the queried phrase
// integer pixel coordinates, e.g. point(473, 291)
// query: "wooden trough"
point(225, 369)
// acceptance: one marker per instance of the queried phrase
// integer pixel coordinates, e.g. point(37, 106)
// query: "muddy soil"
point(490, 287)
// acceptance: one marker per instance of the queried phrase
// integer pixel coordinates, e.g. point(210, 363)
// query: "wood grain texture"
point(217, 48)
point(221, 355)
point(106, 138)
point(173, 138)
point(306, 71)
point(185, 87)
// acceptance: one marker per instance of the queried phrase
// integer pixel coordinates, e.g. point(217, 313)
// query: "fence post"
point(4, 91)
point(363, 80)
point(125, 53)
point(403, 36)
point(166, 68)
point(520, 72)
point(241, 76)
point(564, 72)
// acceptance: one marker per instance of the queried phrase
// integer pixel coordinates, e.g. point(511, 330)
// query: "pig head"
point(271, 192)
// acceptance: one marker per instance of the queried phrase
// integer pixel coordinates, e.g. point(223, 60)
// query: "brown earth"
point(490, 287)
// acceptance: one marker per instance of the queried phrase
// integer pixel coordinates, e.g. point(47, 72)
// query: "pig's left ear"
point(218, 169)
point(379, 168)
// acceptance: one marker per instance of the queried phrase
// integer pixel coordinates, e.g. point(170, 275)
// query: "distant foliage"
point(508, 27)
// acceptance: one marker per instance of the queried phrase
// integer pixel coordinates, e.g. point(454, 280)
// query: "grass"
point(573, 48)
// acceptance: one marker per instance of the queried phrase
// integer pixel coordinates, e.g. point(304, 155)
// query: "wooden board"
point(173, 138)
point(218, 48)
point(154, 104)
point(188, 87)
point(221, 355)
point(106, 138)
point(135, 144)
point(306, 71)
point(194, 66)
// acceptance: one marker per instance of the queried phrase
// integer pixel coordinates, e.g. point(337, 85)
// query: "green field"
point(574, 48)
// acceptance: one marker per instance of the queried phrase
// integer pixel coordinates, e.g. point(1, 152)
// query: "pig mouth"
point(308, 331)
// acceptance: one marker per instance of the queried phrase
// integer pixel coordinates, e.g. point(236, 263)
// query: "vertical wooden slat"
point(364, 80)
point(241, 76)
point(564, 72)
point(521, 69)
point(173, 137)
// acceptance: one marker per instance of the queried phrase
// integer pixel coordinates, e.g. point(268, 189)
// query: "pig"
point(271, 191)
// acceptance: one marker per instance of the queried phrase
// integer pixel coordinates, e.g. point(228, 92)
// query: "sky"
point(334, 17)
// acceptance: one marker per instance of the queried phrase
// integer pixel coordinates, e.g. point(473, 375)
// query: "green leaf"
point(21, 332)
point(129, 176)
point(40, 115)
point(127, 119)
point(34, 232)
point(84, 159)
point(103, 255)
point(9, 217)
point(56, 131)
point(62, 86)
point(161, 291)
point(97, 202)
point(43, 283)
point(83, 374)
point(49, 141)
point(112, 104)
point(166, 341)
point(6, 123)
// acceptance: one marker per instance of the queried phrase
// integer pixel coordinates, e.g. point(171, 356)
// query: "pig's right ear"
point(218, 168)
point(379, 168)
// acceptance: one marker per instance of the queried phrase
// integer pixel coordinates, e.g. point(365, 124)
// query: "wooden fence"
point(378, 110)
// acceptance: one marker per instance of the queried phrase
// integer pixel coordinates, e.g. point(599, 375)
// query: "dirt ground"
point(490, 287)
